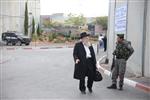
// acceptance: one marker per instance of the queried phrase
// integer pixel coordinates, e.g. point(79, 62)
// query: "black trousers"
point(89, 74)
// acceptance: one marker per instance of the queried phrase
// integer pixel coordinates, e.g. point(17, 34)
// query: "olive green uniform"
point(122, 53)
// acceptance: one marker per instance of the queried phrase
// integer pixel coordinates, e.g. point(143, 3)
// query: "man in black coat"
point(105, 43)
point(85, 63)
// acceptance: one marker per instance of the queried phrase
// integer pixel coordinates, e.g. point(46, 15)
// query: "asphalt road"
point(48, 75)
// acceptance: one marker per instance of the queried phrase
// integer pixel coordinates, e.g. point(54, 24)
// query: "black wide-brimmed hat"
point(84, 34)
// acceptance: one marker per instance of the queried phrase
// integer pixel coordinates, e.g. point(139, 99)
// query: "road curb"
point(35, 48)
point(38, 47)
point(126, 80)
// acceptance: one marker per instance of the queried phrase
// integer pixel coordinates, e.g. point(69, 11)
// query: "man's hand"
point(77, 61)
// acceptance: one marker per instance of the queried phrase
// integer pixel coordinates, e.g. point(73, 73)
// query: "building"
point(56, 17)
point(12, 14)
point(132, 18)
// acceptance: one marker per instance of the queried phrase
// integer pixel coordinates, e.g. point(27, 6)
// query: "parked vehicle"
point(15, 38)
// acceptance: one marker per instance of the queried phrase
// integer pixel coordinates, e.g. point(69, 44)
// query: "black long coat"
point(81, 68)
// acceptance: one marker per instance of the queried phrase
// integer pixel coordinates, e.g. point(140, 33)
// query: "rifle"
point(113, 63)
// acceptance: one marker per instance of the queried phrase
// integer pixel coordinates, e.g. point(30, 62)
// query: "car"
point(15, 38)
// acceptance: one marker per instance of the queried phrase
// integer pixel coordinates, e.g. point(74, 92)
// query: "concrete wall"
point(135, 33)
point(110, 33)
point(147, 44)
point(12, 14)
point(0, 17)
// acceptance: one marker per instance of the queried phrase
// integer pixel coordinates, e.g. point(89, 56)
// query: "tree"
point(33, 26)
point(26, 19)
point(76, 20)
point(102, 21)
point(38, 30)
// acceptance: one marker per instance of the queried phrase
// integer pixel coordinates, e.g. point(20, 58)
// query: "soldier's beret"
point(120, 35)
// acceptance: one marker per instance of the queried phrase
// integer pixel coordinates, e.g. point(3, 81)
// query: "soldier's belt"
point(120, 57)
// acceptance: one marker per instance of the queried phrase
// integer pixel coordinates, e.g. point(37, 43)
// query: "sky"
point(89, 8)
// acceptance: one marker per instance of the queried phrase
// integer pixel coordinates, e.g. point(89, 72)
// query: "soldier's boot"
point(120, 87)
point(113, 86)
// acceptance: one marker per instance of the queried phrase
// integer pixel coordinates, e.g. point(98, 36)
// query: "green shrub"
point(34, 37)
point(75, 36)
point(41, 38)
point(54, 35)
point(58, 41)
point(50, 37)
point(60, 34)
point(67, 39)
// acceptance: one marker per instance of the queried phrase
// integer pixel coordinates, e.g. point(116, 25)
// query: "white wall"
point(147, 50)
point(135, 34)
point(0, 18)
point(110, 34)
point(12, 14)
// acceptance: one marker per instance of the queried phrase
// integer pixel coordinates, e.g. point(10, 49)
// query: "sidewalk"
point(142, 80)
point(142, 83)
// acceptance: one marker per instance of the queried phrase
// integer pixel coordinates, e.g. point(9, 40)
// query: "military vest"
point(123, 50)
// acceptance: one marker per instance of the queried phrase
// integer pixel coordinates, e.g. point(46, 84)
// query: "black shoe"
point(83, 92)
point(90, 90)
point(113, 86)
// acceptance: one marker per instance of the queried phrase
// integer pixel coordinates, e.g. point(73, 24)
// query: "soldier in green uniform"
point(122, 52)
